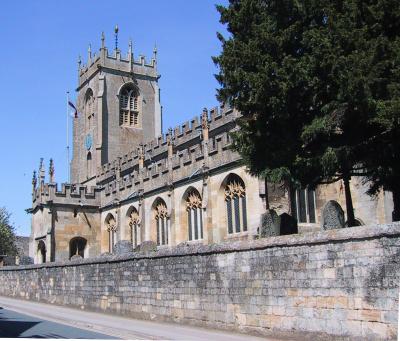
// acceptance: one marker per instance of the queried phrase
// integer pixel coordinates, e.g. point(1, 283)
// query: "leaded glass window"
point(235, 198)
point(134, 224)
point(111, 227)
point(303, 205)
point(162, 223)
point(195, 217)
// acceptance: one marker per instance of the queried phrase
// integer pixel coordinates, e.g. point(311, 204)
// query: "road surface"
point(42, 318)
point(16, 325)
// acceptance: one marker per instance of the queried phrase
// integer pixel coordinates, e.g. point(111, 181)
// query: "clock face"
point(88, 141)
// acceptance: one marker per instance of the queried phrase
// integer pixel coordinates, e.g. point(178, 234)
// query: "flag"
point(75, 114)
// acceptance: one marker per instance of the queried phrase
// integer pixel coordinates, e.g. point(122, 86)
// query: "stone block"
point(370, 315)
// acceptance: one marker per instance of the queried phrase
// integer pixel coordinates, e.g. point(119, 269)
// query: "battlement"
point(187, 142)
point(185, 164)
point(182, 138)
point(48, 193)
point(116, 61)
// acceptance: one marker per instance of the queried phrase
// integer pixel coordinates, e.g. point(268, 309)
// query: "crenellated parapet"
point(48, 194)
point(116, 60)
point(181, 154)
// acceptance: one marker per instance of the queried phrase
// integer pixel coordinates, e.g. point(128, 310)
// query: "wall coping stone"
point(309, 238)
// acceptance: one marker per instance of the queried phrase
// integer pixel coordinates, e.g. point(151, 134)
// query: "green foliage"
point(317, 82)
point(7, 235)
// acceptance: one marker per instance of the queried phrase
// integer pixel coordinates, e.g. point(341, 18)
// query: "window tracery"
point(162, 223)
point(195, 218)
point(111, 226)
point(235, 198)
point(134, 224)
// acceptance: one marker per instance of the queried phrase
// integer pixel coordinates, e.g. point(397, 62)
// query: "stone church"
point(130, 181)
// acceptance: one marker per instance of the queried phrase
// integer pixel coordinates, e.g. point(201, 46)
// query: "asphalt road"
point(16, 325)
point(51, 321)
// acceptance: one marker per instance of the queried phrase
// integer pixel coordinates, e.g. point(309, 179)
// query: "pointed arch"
point(234, 190)
point(111, 227)
point(89, 108)
point(134, 223)
point(192, 202)
point(129, 106)
point(89, 165)
point(41, 251)
point(77, 246)
point(162, 221)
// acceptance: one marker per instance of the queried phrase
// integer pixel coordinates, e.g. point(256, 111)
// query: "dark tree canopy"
point(7, 235)
point(317, 83)
point(263, 73)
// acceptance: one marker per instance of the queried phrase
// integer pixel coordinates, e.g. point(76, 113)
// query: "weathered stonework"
point(328, 284)
point(119, 171)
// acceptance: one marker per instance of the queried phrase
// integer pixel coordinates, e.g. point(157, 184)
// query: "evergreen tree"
point(381, 153)
point(7, 235)
point(264, 74)
point(308, 77)
point(356, 133)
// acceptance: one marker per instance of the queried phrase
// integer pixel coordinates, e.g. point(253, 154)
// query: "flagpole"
point(68, 165)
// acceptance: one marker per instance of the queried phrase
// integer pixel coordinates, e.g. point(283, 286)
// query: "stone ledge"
point(323, 237)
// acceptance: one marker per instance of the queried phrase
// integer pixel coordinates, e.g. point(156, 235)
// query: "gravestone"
point(25, 260)
point(122, 247)
point(332, 216)
point(147, 246)
point(183, 245)
point(288, 224)
point(269, 224)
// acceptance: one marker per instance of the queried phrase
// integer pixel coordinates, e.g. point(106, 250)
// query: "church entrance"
point(77, 247)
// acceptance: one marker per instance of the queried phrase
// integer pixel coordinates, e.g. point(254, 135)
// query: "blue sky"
point(41, 41)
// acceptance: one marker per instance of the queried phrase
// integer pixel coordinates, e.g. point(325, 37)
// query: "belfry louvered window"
point(129, 107)
point(195, 217)
point(235, 198)
point(162, 223)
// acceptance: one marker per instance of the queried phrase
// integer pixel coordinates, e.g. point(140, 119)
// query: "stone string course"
point(327, 285)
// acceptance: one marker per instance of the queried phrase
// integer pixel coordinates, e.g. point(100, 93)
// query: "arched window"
point(134, 224)
point(41, 251)
point(129, 106)
point(235, 198)
point(162, 222)
point(89, 165)
point(89, 108)
point(194, 215)
point(77, 246)
point(111, 227)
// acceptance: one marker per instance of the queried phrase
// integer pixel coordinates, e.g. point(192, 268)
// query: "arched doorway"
point(41, 251)
point(77, 246)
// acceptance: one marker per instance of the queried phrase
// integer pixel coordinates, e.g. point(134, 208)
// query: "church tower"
point(119, 108)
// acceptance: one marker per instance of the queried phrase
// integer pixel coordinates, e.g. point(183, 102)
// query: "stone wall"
point(326, 284)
